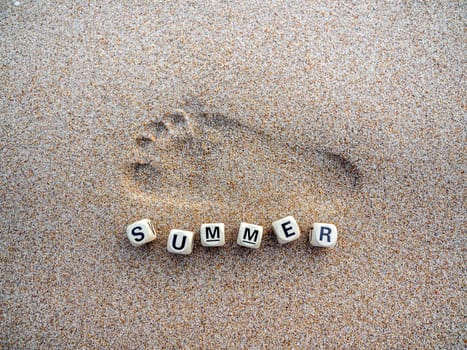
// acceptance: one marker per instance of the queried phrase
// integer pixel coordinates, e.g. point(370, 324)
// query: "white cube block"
point(180, 242)
point(286, 229)
point(212, 235)
point(250, 235)
point(141, 232)
point(323, 235)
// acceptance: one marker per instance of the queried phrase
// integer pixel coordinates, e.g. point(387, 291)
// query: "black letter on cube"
point(174, 243)
point(180, 242)
point(286, 230)
point(250, 238)
point(323, 235)
point(141, 232)
point(250, 235)
point(325, 231)
point(212, 235)
point(139, 235)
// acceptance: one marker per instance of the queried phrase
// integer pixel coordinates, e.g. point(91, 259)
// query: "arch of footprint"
point(249, 235)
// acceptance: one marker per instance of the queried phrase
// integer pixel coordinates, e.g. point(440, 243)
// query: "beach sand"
point(194, 112)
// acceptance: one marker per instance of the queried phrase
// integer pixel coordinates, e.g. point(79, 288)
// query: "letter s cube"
point(323, 235)
point(141, 232)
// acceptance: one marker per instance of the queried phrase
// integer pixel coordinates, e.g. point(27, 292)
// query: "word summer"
point(249, 235)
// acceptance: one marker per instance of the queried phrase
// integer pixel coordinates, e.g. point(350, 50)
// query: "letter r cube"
point(323, 235)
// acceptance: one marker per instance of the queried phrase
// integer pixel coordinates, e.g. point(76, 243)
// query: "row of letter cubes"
point(249, 235)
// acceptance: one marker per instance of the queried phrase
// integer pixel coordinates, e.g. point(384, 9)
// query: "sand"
point(194, 112)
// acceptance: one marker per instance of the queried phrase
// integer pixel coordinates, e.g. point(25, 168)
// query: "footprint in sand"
point(210, 160)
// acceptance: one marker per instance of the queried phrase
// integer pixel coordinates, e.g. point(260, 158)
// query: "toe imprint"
point(158, 127)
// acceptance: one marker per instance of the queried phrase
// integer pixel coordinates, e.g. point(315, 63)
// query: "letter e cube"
point(286, 229)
